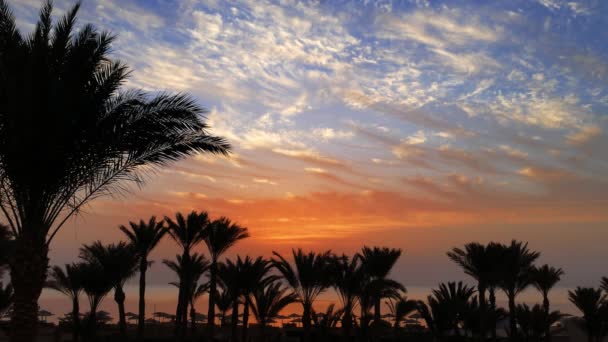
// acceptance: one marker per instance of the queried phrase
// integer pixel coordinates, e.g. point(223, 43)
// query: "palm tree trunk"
point(377, 313)
point(178, 309)
point(546, 308)
point(28, 269)
point(141, 317)
point(306, 321)
point(492, 298)
point(512, 321)
point(75, 319)
point(347, 321)
point(212, 296)
point(119, 298)
point(192, 319)
point(263, 332)
point(481, 288)
point(245, 320)
point(235, 321)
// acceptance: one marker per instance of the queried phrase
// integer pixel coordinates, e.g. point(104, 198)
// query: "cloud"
point(584, 135)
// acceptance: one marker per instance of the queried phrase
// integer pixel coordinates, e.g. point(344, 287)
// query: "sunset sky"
point(414, 124)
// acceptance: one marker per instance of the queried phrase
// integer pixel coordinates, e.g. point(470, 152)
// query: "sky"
point(420, 125)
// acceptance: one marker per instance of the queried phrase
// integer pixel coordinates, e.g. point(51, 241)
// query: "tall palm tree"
point(544, 278)
point(144, 236)
point(96, 285)
point(267, 302)
point(308, 277)
point(119, 263)
point(187, 232)
point(378, 263)
point(515, 276)
point(62, 111)
point(70, 283)
point(592, 304)
point(220, 236)
point(254, 274)
point(189, 268)
point(474, 260)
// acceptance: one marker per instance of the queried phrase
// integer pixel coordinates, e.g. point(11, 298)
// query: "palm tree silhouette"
point(604, 284)
point(6, 297)
point(475, 262)
point(544, 278)
point(592, 304)
point(189, 269)
point(447, 308)
point(254, 274)
point(197, 291)
point(220, 236)
point(400, 308)
point(348, 277)
point(119, 262)
point(267, 301)
point(515, 276)
point(144, 237)
point(229, 276)
point(70, 283)
point(533, 321)
point(308, 277)
point(89, 137)
point(96, 286)
point(378, 263)
point(223, 303)
point(187, 232)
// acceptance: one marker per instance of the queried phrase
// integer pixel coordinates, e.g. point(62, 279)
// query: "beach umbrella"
point(415, 316)
point(293, 315)
point(104, 316)
point(43, 314)
point(282, 317)
point(387, 315)
point(199, 317)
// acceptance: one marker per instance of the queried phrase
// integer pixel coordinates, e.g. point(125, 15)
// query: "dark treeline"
point(247, 287)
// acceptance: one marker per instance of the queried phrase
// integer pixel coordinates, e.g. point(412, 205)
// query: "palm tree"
point(378, 263)
point(400, 308)
point(592, 304)
point(448, 306)
point(96, 285)
point(224, 303)
point(474, 260)
point(348, 277)
point(267, 302)
point(144, 236)
point(308, 277)
point(187, 232)
point(515, 276)
point(229, 276)
point(533, 321)
point(604, 284)
point(254, 275)
point(189, 269)
point(119, 263)
point(544, 278)
point(70, 283)
point(327, 320)
point(62, 111)
point(220, 236)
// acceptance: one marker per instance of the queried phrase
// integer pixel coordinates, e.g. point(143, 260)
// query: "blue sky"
point(433, 122)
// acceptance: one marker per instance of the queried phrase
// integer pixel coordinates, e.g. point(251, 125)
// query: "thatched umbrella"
point(43, 314)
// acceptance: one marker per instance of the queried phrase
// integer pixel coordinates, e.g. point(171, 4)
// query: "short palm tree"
point(378, 263)
point(592, 304)
point(348, 277)
point(189, 268)
point(544, 278)
point(6, 297)
point(62, 111)
point(267, 302)
point(447, 307)
point(119, 263)
point(309, 276)
point(254, 275)
point(220, 236)
point(475, 262)
point(70, 283)
point(515, 269)
point(604, 284)
point(144, 237)
point(187, 232)
point(197, 291)
point(533, 321)
point(96, 285)
point(401, 308)
point(224, 304)
point(229, 276)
